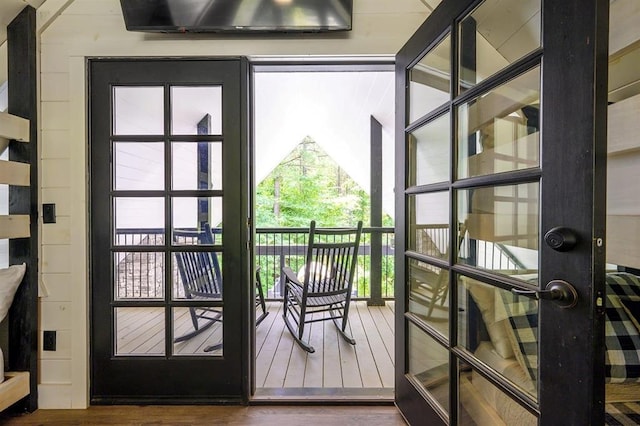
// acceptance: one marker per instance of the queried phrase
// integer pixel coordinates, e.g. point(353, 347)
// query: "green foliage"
point(308, 185)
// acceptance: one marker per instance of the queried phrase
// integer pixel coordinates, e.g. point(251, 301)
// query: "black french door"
point(169, 181)
point(500, 210)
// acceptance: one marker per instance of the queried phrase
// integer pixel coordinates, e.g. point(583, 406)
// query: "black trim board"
point(23, 102)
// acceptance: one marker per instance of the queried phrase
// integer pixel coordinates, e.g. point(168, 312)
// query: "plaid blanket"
point(622, 414)
point(622, 338)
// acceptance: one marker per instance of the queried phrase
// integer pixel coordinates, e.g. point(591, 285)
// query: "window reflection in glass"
point(500, 130)
point(500, 328)
point(494, 36)
point(430, 152)
point(429, 80)
point(429, 224)
point(482, 403)
point(429, 294)
point(429, 364)
point(499, 228)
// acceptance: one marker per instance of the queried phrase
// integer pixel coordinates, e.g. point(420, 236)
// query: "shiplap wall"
point(74, 30)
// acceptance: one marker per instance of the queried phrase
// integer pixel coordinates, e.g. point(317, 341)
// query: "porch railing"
point(279, 247)
point(141, 274)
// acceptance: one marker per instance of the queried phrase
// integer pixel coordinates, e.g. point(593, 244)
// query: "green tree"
point(308, 185)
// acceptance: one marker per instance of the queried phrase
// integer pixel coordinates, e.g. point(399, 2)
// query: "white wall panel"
point(55, 371)
point(55, 259)
point(60, 196)
point(57, 233)
point(54, 115)
point(54, 396)
point(53, 57)
point(62, 352)
point(58, 285)
point(54, 144)
point(55, 315)
point(55, 173)
point(55, 86)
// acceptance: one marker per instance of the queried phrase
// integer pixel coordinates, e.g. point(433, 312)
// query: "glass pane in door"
point(195, 213)
point(500, 329)
point(500, 229)
point(197, 275)
point(197, 330)
point(138, 275)
point(138, 221)
point(500, 130)
point(139, 331)
point(496, 35)
point(196, 110)
point(429, 224)
point(139, 166)
point(429, 295)
point(429, 85)
point(430, 152)
point(429, 364)
point(138, 110)
point(196, 165)
point(482, 403)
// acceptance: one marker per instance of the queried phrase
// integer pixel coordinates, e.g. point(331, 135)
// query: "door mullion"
point(168, 224)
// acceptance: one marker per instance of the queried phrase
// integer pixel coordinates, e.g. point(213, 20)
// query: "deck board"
point(280, 362)
point(383, 360)
point(336, 363)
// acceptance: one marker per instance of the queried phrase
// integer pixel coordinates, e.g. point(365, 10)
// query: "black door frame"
point(574, 60)
point(229, 378)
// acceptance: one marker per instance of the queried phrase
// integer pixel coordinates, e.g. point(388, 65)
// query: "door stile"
point(575, 42)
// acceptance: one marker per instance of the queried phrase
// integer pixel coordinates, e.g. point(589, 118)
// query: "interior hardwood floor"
point(213, 415)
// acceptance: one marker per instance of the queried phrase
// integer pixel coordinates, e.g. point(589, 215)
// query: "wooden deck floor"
point(337, 368)
point(283, 369)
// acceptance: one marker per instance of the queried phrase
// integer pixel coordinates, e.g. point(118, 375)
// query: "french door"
point(501, 150)
point(169, 184)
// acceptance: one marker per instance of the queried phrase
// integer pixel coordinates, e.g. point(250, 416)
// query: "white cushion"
point(10, 279)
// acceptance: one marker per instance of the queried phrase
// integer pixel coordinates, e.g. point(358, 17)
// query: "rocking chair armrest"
point(290, 276)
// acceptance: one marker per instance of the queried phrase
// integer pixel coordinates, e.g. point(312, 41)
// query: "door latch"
point(558, 291)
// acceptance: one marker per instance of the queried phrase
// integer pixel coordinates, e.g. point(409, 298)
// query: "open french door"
point(169, 159)
point(500, 210)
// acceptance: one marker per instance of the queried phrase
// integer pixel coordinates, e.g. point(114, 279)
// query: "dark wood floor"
point(213, 415)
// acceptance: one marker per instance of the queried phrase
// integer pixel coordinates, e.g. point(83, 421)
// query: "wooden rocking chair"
point(202, 279)
point(328, 280)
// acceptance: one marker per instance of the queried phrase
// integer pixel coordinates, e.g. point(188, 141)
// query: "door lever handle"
point(558, 291)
